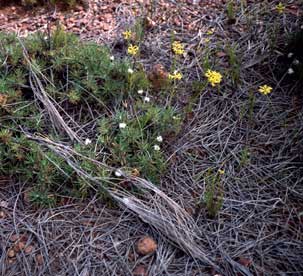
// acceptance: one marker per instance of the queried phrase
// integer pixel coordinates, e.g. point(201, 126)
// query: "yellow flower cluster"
point(178, 48)
point(265, 89)
point(280, 8)
point(127, 35)
point(221, 171)
point(132, 50)
point(213, 77)
point(175, 76)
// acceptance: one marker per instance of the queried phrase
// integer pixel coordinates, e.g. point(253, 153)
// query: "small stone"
point(146, 245)
point(11, 253)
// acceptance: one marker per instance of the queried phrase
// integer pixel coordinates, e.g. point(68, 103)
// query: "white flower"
point(156, 147)
point(290, 55)
point(87, 141)
point(130, 71)
point(122, 125)
point(175, 118)
point(112, 58)
point(159, 139)
point(296, 62)
point(290, 71)
point(147, 99)
point(118, 173)
point(140, 91)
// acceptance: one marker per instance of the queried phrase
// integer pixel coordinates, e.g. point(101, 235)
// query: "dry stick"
point(43, 97)
point(158, 210)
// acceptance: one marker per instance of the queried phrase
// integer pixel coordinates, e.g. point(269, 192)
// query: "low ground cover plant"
point(124, 122)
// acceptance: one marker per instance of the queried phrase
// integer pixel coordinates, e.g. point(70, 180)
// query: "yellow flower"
point(132, 50)
point(265, 89)
point(206, 40)
point(213, 77)
point(175, 76)
point(178, 48)
point(210, 31)
point(221, 172)
point(280, 8)
point(127, 35)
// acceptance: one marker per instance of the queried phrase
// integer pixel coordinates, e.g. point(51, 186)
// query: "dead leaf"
point(131, 257)
point(19, 245)
point(245, 261)
point(11, 260)
point(87, 223)
point(3, 99)
point(150, 23)
point(140, 270)
point(2, 215)
point(39, 259)
point(14, 237)
point(29, 249)
point(135, 172)
point(220, 54)
point(26, 196)
point(158, 76)
point(11, 253)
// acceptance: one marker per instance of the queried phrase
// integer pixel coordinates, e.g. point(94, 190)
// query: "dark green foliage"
point(230, 11)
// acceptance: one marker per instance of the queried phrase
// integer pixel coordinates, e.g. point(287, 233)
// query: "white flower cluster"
point(146, 99)
point(160, 140)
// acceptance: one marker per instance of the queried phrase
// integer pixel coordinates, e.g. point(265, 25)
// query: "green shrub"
point(213, 195)
point(91, 87)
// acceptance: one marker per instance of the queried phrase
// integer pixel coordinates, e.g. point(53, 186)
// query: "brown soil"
point(102, 18)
